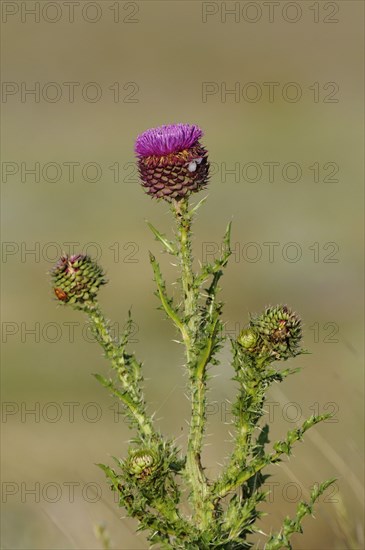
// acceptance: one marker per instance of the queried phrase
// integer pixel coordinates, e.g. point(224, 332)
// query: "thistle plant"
point(152, 481)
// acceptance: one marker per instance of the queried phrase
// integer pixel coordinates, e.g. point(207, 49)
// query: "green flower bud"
point(248, 339)
point(142, 464)
point(280, 330)
point(76, 279)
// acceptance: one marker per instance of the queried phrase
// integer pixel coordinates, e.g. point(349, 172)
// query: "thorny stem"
point(248, 409)
point(123, 364)
point(196, 364)
point(223, 487)
point(183, 218)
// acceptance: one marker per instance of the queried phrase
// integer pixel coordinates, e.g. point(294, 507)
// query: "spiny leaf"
point(169, 245)
point(198, 205)
point(124, 396)
point(110, 474)
point(165, 300)
point(291, 526)
point(285, 446)
point(227, 245)
point(103, 381)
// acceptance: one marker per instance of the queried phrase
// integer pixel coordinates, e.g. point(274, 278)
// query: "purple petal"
point(167, 139)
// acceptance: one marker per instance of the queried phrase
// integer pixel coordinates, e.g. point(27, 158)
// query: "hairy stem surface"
point(127, 370)
point(196, 361)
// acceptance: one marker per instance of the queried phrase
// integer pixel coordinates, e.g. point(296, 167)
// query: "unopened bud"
point(76, 279)
point(248, 339)
point(280, 332)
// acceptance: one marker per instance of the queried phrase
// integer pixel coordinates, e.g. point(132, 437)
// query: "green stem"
point(248, 410)
point(226, 485)
point(222, 489)
point(124, 365)
point(183, 217)
point(196, 361)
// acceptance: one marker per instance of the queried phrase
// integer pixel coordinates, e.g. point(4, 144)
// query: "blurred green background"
point(162, 54)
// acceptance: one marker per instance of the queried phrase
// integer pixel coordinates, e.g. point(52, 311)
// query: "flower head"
point(172, 162)
point(76, 279)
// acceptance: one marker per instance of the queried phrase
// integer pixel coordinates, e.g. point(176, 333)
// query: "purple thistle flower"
point(172, 162)
point(167, 139)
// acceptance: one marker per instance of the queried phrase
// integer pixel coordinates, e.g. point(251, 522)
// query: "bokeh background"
point(150, 63)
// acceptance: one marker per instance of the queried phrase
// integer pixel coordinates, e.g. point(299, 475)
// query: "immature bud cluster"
point(275, 334)
point(76, 279)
